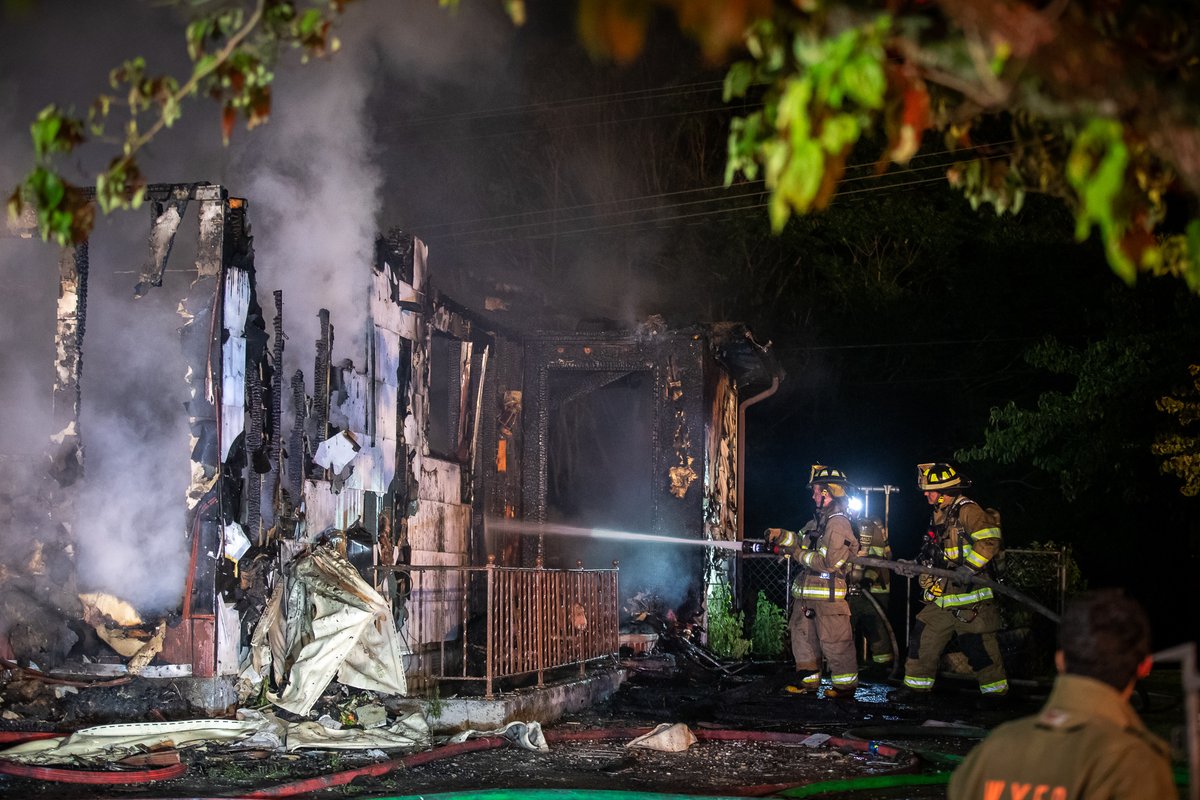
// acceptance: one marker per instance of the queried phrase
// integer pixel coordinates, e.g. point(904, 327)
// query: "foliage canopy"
point(1088, 101)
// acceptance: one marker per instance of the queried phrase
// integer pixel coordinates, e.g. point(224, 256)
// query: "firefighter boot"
point(808, 684)
point(841, 692)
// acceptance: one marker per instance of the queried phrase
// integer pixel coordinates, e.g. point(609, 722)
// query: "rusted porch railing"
point(487, 624)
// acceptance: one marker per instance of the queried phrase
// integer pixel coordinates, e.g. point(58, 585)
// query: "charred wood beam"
point(65, 455)
point(202, 343)
point(254, 443)
point(274, 449)
point(320, 409)
point(584, 384)
point(166, 213)
point(210, 243)
point(296, 454)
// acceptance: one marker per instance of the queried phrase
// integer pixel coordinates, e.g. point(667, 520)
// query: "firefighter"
point(869, 593)
point(1087, 741)
point(820, 619)
point(965, 537)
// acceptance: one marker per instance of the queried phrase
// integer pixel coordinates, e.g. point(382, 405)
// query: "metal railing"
point(488, 624)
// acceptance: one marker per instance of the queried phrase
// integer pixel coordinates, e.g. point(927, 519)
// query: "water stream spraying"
point(499, 525)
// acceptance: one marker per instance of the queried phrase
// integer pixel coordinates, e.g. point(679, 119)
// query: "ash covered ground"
point(659, 690)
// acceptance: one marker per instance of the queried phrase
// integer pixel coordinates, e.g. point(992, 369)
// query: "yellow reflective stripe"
point(818, 592)
point(838, 565)
point(788, 539)
point(823, 550)
point(951, 552)
point(812, 679)
point(975, 559)
point(966, 599)
point(847, 679)
point(999, 687)
point(877, 551)
point(885, 658)
point(920, 684)
point(986, 533)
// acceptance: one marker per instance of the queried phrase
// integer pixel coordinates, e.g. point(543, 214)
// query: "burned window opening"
point(448, 396)
point(395, 252)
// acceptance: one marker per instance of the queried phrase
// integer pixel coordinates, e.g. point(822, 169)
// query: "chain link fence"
point(770, 574)
point(1027, 640)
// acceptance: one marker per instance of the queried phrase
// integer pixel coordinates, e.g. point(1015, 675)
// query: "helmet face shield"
point(938, 477)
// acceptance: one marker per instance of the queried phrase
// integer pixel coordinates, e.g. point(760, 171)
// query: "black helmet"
point(937, 477)
point(830, 477)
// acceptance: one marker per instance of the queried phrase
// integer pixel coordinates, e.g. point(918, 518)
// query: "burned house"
point(473, 496)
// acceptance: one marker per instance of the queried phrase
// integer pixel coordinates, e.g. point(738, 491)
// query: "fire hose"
point(887, 626)
point(91, 776)
point(911, 569)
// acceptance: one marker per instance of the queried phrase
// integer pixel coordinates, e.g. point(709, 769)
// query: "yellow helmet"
point(937, 477)
point(831, 478)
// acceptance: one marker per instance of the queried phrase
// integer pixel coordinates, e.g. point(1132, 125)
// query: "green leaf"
point(171, 111)
point(45, 131)
point(1192, 274)
point(802, 177)
point(839, 131)
point(737, 80)
point(309, 21)
point(204, 66)
point(793, 111)
point(864, 81)
point(196, 34)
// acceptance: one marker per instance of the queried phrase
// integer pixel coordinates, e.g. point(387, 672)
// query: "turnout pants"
point(826, 635)
point(976, 633)
point(864, 617)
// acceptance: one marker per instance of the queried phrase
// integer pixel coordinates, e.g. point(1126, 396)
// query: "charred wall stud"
point(66, 455)
point(194, 639)
point(167, 207)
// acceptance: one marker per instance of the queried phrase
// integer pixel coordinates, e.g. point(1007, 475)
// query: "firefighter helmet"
point(938, 477)
point(831, 478)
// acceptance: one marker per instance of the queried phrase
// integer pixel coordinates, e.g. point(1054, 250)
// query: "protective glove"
point(780, 538)
point(932, 586)
point(965, 571)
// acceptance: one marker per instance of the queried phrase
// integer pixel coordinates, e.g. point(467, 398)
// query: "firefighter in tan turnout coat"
point(820, 620)
point(964, 537)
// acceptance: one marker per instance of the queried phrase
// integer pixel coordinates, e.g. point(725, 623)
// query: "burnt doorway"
point(599, 464)
point(601, 457)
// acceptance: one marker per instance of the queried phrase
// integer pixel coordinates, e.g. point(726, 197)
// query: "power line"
point(679, 217)
point(593, 124)
point(891, 345)
point(584, 101)
point(554, 220)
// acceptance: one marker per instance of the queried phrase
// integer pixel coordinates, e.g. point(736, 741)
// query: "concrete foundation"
point(544, 705)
